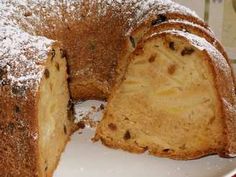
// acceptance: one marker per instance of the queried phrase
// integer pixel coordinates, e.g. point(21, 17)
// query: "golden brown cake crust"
point(139, 150)
point(19, 133)
point(93, 55)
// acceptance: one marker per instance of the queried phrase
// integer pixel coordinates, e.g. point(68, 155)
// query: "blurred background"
point(221, 16)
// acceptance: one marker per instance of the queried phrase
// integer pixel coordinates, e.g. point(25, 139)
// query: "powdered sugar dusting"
point(22, 57)
point(29, 13)
point(90, 109)
point(232, 155)
point(147, 8)
point(170, 6)
point(192, 24)
point(161, 7)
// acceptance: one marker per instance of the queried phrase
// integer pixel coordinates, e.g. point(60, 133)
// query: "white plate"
point(83, 158)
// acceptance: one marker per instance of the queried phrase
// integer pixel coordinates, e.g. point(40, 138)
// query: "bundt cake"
point(176, 99)
point(53, 53)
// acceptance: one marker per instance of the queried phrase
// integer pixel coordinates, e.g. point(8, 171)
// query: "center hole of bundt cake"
point(54, 125)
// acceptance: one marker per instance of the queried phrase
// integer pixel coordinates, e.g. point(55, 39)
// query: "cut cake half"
point(175, 100)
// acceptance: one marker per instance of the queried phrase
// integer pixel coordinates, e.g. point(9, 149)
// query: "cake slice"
point(34, 122)
point(176, 100)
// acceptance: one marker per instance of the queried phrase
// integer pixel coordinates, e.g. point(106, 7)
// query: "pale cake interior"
point(167, 104)
point(54, 124)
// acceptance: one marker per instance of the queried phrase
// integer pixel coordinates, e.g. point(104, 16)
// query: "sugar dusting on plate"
point(89, 112)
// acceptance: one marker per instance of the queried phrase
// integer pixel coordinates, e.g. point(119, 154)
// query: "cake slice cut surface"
point(170, 100)
point(55, 124)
